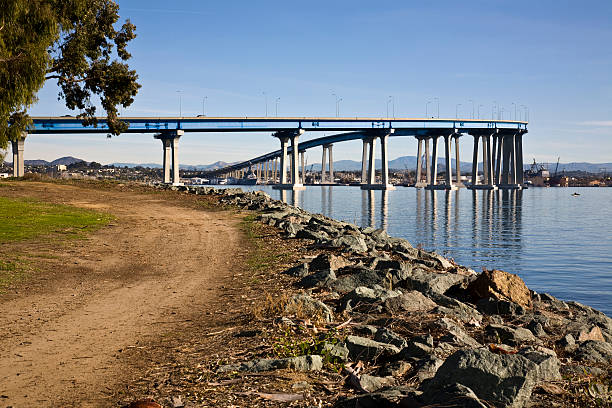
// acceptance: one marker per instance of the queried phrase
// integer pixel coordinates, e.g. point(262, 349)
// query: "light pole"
point(180, 104)
point(493, 110)
point(479, 110)
point(457, 110)
point(337, 104)
point(276, 107)
point(203, 105)
point(266, 102)
point(514, 110)
point(392, 99)
point(426, 110)
point(437, 107)
point(470, 100)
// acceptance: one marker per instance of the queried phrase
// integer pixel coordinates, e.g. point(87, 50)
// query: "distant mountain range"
point(401, 163)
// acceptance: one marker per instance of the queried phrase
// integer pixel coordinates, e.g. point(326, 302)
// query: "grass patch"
point(11, 272)
point(22, 219)
point(262, 256)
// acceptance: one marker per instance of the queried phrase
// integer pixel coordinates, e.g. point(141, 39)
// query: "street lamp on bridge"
point(457, 110)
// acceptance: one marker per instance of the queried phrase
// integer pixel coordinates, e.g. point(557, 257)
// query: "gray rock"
point(363, 294)
point(336, 351)
point(455, 334)
point(594, 351)
point(298, 271)
point(314, 235)
point(500, 307)
point(292, 229)
point(410, 301)
point(319, 279)
point(387, 398)
point(327, 261)
point(503, 380)
point(361, 348)
point(458, 310)
point(416, 351)
point(427, 368)
point(304, 305)
point(359, 276)
point(509, 335)
point(432, 282)
point(385, 335)
point(435, 261)
point(301, 363)
point(371, 383)
point(350, 243)
point(455, 395)
point(536, 328)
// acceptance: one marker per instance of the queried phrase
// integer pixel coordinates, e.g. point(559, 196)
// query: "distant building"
point(61, 167)
point(4, 175)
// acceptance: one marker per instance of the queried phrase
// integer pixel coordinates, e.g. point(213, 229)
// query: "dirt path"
point(154, 271)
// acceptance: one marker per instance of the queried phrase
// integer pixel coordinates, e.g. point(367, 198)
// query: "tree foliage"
point(74, 42)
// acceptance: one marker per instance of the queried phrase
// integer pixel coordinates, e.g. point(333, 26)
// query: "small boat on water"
point(575, 194)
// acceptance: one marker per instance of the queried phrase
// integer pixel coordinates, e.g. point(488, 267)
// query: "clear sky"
point(554, 57)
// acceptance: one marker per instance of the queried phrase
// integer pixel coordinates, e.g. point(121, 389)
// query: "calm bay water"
point(557, 243)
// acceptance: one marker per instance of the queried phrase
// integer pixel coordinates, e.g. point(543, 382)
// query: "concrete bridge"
point(501, 145)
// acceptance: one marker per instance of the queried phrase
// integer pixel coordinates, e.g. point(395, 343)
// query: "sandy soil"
point(154, 271)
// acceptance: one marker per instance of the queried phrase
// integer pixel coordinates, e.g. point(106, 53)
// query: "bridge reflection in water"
point(478, 228)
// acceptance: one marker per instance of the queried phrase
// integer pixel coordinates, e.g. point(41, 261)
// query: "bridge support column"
point(170, 140)
point(18, 161)
point(384, 185)
point(488, 182)
point(427, 163)
point(331, 163)
point(458, 182)
point(520, 180)
point(364, 162)
point(434, 163)
point(419, 167)
point(449, 169)
point(285, 136)
point(475, 162)
point(303, 160)
point(323, 164)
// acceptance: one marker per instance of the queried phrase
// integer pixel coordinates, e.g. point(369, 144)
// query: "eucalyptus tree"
point(79, 44)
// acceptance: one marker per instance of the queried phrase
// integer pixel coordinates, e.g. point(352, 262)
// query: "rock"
point(319, 279)
point(455, 395)
point(298, 271)
point(385, 335)
point(292, 229)
point(502, 286)
point(363, 294)
point(427, 368)
point(315, 236)
point(305, 306)
point(350, 243)
point(593, 334)
point(567, 343)
point(594, 351)
point(500, 307)
point(328, 261)
point(384, 264)
point(455, 334)
point(301, 363)
point(386, 398)
point(337, 351)
point(431, 282)
point(434, 260)
point(508, 335)
point(361, 348)
point(371, 383)
point(417, 350)
point(460, 311)
point(410, 301)
point(536, 328)
point(395, 369)
point(300, 386)
point(504, 380)
point(361, 277)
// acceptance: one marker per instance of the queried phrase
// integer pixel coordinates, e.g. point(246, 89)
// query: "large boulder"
point(505, 380)
point(359, 276)
point(501, 285)
point(305, 306)
point(512, 336)
point(410, 301)
point(362, 348)
point(594, 351)
point(432, 282)
point(327, 261)
point(350, 243)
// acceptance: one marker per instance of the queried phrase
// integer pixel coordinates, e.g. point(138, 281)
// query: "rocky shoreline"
point(420, 330)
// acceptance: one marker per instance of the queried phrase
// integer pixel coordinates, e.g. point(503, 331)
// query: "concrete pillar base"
point(421, 184)
point(482, 187)
point(294, 187)
point(378, 187)
point(510, 187)
point(441, 187)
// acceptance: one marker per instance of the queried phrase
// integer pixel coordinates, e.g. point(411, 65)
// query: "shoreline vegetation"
point(392, 325)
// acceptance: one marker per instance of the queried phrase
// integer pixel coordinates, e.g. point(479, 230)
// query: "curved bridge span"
point(501, 143)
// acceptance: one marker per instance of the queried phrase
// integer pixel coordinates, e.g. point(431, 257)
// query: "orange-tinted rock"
point(501, 285)
point(593, 334)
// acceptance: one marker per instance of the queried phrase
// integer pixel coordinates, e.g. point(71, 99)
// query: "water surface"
point(556, 242)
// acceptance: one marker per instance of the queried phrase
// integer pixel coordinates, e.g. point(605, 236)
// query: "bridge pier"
point(285, 136)
point(327, 163)
point(448, 184)
point(18, 161)
point(488, 177)
point(510, 153)
point(364, 161)
point(419, 165)
point(303, 160)
point(383, 134)
point(169, 141)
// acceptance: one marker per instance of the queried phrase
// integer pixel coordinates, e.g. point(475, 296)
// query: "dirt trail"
point(154, 271)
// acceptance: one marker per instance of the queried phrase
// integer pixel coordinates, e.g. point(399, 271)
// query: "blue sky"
point(555, 57)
